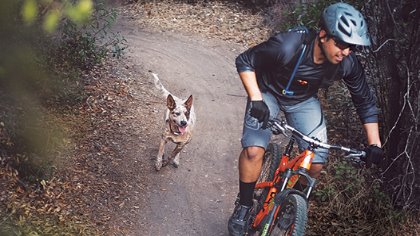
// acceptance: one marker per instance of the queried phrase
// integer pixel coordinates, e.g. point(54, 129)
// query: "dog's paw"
point(165, 162)
point(158, 164)
point(175, 163)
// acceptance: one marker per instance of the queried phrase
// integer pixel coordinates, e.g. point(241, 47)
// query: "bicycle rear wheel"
point(292, 217)
point(270, 163)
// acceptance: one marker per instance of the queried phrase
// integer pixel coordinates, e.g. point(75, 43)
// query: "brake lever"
point(277, 130)
point(353, 156)
point(356, 157)
point(356, 153)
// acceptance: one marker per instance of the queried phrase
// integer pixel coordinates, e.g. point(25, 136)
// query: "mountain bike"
point(281, 209)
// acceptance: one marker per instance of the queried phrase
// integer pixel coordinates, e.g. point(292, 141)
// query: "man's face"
point(334, 49)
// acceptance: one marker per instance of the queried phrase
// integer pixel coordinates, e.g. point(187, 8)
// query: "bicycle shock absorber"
point(289, 147)
point(285, 157)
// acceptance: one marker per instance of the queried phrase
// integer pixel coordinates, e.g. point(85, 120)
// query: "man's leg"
point(308, 118)
point(315, 170)
point(254, 141)
point(250, 162)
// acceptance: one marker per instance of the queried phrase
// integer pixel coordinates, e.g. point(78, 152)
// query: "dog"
point(179, 123)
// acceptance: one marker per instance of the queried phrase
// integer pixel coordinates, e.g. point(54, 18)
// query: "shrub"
point(348, 201)
point(87, 45)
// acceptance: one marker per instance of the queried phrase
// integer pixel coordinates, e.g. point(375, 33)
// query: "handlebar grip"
point(356, 154)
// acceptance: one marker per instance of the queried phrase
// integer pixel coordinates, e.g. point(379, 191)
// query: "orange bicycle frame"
point(303, 160)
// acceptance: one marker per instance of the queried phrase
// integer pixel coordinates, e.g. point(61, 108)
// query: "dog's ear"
point(189, 102)
point(170, 102)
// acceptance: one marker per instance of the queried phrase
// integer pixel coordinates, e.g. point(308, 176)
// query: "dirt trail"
point(197, 198)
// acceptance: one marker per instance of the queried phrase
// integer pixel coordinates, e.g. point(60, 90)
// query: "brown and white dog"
point(179, 123)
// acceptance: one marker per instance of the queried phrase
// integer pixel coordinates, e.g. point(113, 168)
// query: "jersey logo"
point(302, 82)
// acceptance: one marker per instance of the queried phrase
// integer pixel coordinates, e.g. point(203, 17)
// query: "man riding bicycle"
point(285, 73)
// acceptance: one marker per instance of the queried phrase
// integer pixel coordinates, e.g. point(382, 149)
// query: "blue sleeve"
point(362, 96)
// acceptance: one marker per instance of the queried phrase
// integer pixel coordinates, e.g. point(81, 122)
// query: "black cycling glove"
point(260, 111)
point(374, 154)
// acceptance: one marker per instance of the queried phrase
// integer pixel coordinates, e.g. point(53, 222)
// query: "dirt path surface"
point(196, 198)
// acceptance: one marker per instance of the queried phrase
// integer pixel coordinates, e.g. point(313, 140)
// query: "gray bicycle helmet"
point(343, 21)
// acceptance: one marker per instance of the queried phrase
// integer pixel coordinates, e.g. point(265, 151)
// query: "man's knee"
point(254, 153)
point(315, 170)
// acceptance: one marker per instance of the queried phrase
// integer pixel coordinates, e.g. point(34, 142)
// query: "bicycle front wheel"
point(292, 217)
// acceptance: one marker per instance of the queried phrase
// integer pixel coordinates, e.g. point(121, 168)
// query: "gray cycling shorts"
point(306, 116)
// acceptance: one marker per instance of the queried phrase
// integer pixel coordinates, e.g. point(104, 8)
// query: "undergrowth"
point(349, 201)
point(86, 46)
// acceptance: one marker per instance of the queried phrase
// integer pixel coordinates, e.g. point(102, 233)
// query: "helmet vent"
point(344, 20)
point(344, 31)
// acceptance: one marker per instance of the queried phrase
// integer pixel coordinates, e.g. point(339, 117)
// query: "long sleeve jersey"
point(274, 60)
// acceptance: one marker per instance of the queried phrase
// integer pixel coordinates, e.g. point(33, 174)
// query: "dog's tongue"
point(182, 129)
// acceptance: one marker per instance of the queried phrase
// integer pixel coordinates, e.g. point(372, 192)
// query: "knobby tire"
point(292, 217)
point(271, 161)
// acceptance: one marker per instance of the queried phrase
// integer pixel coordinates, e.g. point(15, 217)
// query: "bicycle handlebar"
point(280, 126)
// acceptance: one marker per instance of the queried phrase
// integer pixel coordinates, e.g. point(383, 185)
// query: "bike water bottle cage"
point(302, 30)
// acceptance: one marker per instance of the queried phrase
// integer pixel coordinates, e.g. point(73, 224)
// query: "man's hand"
point(374, 154)
point(260, 111)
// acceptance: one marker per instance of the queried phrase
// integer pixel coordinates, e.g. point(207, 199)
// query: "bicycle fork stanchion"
point(286, 177)
point(311, 185)
point(311, 181)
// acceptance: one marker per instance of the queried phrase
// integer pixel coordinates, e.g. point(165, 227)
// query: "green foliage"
point(29, 11)
point(79, 12)
point(325, 194)
point(53, 10)
point(51, 20)
point(348, 181)
point(357, 203)
point(87, 45)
